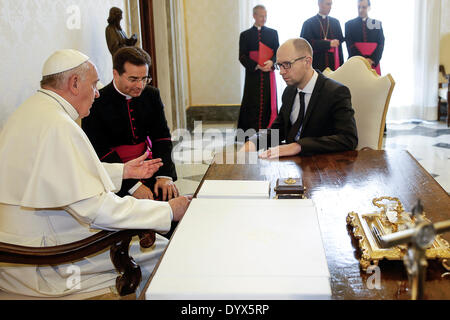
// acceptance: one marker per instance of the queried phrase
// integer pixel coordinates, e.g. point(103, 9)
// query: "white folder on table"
point(244, 249)
point(234, 189)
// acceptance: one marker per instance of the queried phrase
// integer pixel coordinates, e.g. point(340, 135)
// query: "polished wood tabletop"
point(345, 182)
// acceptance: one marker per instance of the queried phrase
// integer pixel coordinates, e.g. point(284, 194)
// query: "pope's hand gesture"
point(140, 168)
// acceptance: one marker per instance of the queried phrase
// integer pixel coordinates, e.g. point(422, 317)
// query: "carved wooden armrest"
point(119, 242)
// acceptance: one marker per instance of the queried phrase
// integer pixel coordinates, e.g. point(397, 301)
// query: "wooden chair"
point(444, 92)
point(119, 241)
point(371, 95)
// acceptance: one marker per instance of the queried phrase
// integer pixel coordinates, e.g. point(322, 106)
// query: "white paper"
point(244, 249)
point(234, 189)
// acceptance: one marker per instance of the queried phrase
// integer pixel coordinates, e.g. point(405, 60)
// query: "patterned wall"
point(30, 30)
point(212, 28)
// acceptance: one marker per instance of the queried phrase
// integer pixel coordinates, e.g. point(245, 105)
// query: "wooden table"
point(345, 182)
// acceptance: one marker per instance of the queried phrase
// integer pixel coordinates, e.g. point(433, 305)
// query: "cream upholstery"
point(370, 98)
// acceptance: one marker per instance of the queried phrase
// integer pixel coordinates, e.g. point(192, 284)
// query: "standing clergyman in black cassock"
point(257, 53)
point(365, 37)
point(324, 33)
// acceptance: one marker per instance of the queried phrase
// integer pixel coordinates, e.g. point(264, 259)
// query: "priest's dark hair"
point(134, 55)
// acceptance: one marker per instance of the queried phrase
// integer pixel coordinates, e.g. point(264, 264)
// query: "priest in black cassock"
point(128, 119)
point(324, 33)
point(365, 37)
point(257, 53)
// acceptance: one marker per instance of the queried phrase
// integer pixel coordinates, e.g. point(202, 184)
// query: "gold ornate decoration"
point(367, 228)
point(290, 181)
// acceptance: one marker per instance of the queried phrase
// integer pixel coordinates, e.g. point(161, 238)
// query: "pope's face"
point(127, 84)
point(87, 91)
point(260, 17)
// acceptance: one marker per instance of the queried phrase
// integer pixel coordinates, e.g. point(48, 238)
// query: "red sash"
point(260, 57)
point(130, 152)
point(366, 49)
point(335, 52)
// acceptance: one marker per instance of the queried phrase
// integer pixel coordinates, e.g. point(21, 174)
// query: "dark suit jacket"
point(329, 125)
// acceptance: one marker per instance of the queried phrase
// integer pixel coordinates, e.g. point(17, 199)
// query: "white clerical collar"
point(71, 111)
point(125, 95)
point(365, 19)
point(259, 28)
point(323, 15)
point(309, 88)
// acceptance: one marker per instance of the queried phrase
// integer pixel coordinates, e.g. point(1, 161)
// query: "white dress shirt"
point(308, 90)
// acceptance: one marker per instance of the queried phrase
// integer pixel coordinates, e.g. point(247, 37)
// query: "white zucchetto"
point(63, 60)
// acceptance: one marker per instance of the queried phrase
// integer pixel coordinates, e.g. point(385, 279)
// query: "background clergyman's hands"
point(267, 67)
point(334, 43)
point(140, 168)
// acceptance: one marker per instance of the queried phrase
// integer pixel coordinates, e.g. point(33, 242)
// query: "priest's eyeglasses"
point(144, 80)
point(288, 64)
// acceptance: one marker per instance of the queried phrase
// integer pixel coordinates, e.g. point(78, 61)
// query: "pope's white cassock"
point(55, 190)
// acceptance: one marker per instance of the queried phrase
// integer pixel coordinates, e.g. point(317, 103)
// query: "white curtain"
point(411, 51)
point(426, 57)
point(178, 63)
point(413, 59)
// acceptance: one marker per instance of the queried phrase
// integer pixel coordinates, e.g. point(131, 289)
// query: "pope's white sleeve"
point(115, 172)
point(136, 186)
point(110, 212)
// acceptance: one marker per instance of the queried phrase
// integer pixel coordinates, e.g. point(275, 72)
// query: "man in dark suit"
point(316, 115)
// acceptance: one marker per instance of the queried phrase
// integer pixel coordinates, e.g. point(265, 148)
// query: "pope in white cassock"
point(55, 190)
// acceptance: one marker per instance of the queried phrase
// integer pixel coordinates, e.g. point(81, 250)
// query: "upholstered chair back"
point(371, 95)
